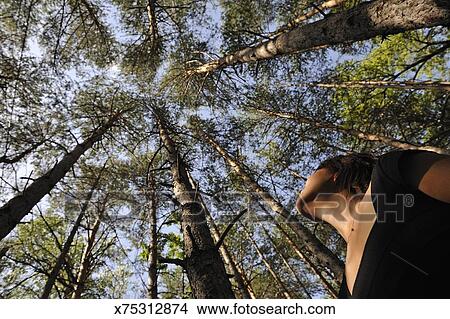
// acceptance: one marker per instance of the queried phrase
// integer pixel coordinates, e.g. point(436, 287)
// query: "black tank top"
point(407, 252)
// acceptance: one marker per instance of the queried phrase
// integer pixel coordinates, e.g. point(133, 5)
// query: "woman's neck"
point(342, 221)
point(357, 216)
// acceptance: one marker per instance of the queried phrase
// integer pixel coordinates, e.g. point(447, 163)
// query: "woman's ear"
point(354, 189)
point(334, 177)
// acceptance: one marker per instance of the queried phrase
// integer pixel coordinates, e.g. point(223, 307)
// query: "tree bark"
point(363, 22)
point(353, 132)
point(151, 13)
point(67, 245)
point(19, 206)
point(330, 4)
point(244, 289)
point(204, 267)
point(272, 272)
point(83, 272)
point(319, 250)
point(153, 246)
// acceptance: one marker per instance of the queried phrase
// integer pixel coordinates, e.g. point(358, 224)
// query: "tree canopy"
point(147, 145)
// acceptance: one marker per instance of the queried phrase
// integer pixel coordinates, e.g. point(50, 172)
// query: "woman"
point(394, 214)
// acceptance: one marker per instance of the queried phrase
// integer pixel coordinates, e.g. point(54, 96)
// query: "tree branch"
point(173, 261)
point(230, 225)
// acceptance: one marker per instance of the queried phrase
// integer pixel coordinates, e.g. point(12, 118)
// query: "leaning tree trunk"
point(202, 261)
point(330, 4)
point(67, 245)
point(306, 259)
point(286, 262)
point(363, 22)
point(324, 255)
point(245, 290)
point(86, 259)
point(18, 207)
point(353, 132)
point(269, 267)
point(409, 85)
point(247, 282)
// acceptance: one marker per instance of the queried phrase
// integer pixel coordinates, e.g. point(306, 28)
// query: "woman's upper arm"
point(429, 172)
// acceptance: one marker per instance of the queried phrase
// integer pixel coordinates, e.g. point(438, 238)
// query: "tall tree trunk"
point(151, 13)
point(204, 266)
point(153, 246)
point(245, 290)
point(19, 206)
point(272, 272)
point(353, 132)
point(363, 22)
point(286, 262)
point(330, 4)
point(67, 245)
point(87, 255)
point(324, 255)
point(306, 259)
point(68, 265)
point(247, 281)
point(410, 85)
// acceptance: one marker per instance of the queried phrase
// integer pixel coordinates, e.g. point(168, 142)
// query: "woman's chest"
point(365, 218)
point(355, 251)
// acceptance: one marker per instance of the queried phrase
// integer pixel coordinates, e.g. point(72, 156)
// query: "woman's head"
point(352, 172)
point(344, 174)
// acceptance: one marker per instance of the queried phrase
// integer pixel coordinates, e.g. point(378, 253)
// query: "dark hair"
point(352, 170)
